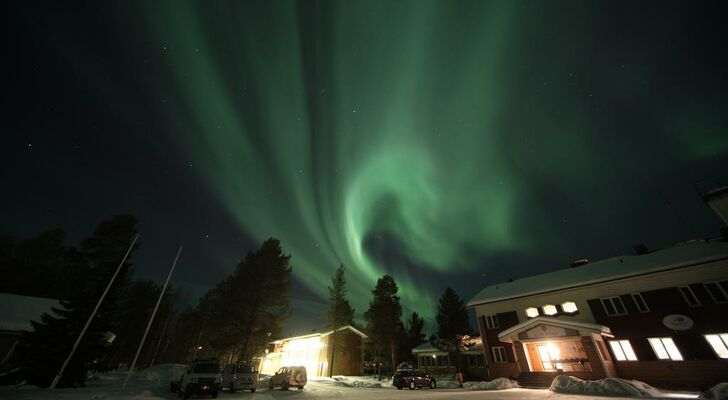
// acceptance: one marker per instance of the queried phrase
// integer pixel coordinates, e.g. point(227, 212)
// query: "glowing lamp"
point(550, 309)
point(532, 312)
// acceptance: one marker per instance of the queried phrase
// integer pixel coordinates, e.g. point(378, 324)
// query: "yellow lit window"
point(569, 307)
point(550, 309)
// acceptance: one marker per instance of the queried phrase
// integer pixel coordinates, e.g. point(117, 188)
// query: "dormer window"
point(569, 307)
point(550, 309)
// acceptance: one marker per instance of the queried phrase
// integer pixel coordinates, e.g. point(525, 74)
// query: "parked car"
point(287, 377)
point(202, 377)
point(413, 379)
point(240, 376)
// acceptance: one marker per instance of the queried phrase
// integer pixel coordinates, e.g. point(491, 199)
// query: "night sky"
point(445, 143)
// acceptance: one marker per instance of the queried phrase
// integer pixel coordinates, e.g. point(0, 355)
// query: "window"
point(716, 292)
point(689, 296)
point(532, 312)
point(613, 306)
point(550, 309)
point(499, 354)
point(719, 343)
point(491, 321)
point(639, 301)
point(569, 307)
point(665, 349)
point(622, 350)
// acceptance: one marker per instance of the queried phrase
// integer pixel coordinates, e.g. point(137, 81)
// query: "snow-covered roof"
point(681, 255)
point(324, 333)
point(17, 311)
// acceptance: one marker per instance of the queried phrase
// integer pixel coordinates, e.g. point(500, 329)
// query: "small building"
point(315, 350)
point(658, 317)
point(432, 360)
point(16, 312)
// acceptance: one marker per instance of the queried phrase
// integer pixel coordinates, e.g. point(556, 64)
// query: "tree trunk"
point(393, 349)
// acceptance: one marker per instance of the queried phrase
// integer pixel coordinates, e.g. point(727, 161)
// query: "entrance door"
point(543, 354)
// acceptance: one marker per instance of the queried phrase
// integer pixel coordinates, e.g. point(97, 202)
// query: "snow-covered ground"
point(153, 384)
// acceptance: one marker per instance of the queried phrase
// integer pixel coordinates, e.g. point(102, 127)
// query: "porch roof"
point(583, 327)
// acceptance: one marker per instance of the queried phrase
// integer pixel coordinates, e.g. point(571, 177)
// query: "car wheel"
point(270, 385)
point(433, 384)
point(398, 387)
point(232, 387)
point(284, 386)
point(300, 388)
point(252, 390)
point(412, 385)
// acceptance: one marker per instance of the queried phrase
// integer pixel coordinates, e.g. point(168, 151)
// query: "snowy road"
point(153, 384)
point(314, 390)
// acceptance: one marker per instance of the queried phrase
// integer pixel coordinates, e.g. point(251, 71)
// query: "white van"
point(240, 376)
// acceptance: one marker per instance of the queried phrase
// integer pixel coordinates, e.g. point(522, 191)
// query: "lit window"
point(639, 301)
point(719, 343)
point(689, 296)
point(550, 309)
point(532, 312)
point(613, 306)
point(491, 321)
point(665, 349)
point(716, 292)
point(569, 307)
point(622, 350)
point(499, 354)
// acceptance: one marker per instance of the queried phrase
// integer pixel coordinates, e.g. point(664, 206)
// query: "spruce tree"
point(340, 312)
point(44, 349)
point(383, 318)
point(452, 324)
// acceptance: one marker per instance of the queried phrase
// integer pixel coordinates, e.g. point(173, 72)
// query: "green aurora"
point(413, 127)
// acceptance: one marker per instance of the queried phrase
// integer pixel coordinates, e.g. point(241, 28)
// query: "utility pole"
point(151, 319)
point(93, 314)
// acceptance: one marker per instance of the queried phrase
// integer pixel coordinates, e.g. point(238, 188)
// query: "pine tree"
point(452, 324)
point(252, 303)
point(383, 318)
point(44, 349)
point(340, 312)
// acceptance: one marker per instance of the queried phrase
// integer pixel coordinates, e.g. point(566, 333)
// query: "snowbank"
point(359, 381)
point(495, 384)
point(604, 387)
point(162, 373)
point(717, 392)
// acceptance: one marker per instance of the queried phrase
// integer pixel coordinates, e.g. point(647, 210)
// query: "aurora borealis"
point(445, 143)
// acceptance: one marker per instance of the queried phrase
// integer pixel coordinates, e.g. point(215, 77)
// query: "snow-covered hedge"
point(603, 387)
point(717, 392)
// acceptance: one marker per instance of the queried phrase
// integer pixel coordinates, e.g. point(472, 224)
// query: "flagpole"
point(93, 313)
point(151, 319)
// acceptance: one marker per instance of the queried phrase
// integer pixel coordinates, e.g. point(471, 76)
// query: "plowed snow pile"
point(717, 392)
point(495, 384)
point(604, 387)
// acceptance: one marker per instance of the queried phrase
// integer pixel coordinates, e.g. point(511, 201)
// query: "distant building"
point(432, 360)
point(660, 317)
point(314, 351)
point(16, 312)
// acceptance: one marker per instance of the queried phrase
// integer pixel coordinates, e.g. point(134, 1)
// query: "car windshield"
point(246, 368)
point(206, 368)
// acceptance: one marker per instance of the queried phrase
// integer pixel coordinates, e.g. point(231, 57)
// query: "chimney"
point(579, 262)
point(717, 199)
point(640, 249)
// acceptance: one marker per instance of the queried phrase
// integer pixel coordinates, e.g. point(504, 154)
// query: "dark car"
point(413, 379)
